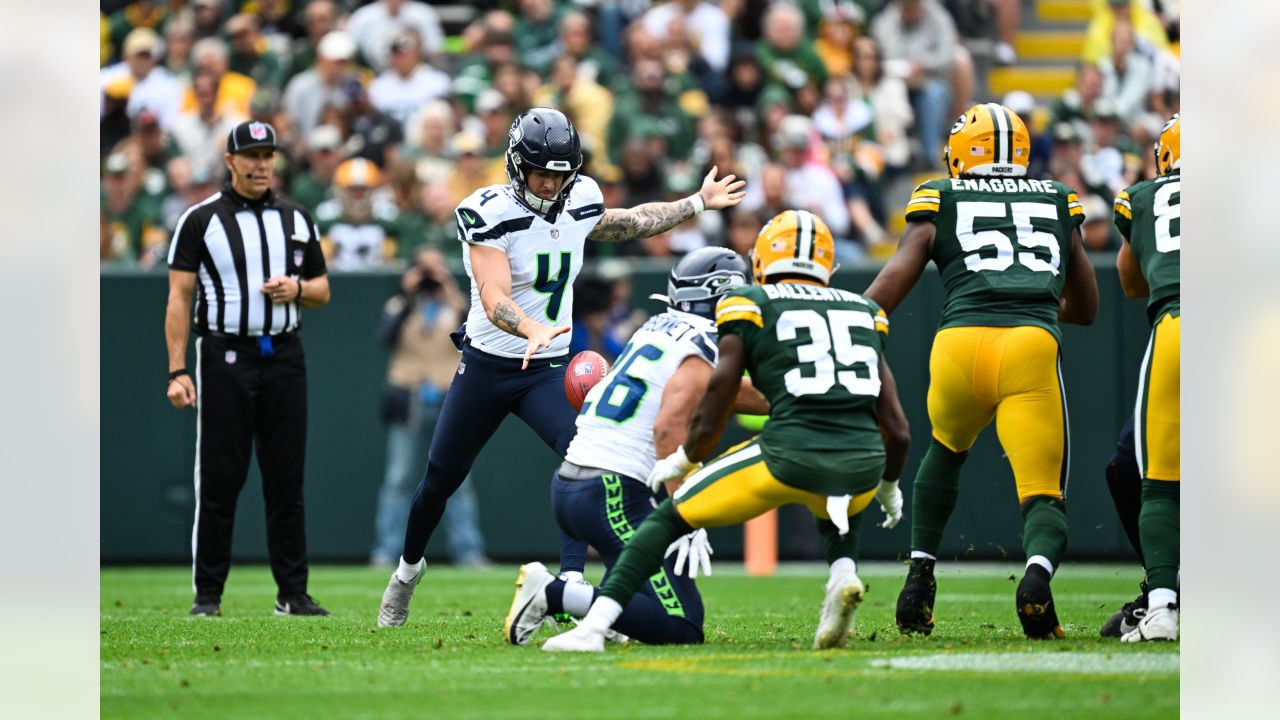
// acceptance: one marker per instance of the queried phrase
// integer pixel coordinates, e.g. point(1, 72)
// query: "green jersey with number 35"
point(814, 353)
point(1002, 246)
point(1149, 215)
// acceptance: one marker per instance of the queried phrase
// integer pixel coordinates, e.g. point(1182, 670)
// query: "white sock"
point(572, 576)
point(604, 612)
point(1042, 561)
point(577, 598)
point(406, 572)
point(1161, 598)
point(921, 554)
point(844, 566)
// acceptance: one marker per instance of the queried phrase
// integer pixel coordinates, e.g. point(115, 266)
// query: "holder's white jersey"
point(545, 255)
point(615, 427)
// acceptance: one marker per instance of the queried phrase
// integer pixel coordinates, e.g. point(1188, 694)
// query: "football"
point(585, 370)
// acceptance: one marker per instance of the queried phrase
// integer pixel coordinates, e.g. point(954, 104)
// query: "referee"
point(256, 260)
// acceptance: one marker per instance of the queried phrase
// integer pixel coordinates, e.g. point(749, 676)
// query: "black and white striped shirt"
point(234, 244)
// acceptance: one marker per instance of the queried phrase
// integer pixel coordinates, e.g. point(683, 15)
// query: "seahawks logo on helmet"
point(702, 277)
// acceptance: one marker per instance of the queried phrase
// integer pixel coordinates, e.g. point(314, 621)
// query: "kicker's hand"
point(889, 495)
point(672, 467)
point(722, 193)
point(694, 548)
point(539, 336)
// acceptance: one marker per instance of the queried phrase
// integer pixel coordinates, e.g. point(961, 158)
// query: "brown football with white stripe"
point(585, 370)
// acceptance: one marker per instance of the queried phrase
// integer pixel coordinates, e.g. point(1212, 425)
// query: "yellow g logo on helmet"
point(988, 139)
point(794, 243)
point(1169, 147)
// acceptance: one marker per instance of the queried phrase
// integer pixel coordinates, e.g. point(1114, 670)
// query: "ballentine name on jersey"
point(1009, 185)
point(797, 291)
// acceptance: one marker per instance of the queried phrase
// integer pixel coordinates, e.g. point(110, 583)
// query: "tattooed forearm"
point(641, 221)
point(506, 316)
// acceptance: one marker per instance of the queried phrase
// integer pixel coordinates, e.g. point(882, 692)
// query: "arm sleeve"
point(187, 244)
point(476, 228)
point(924, 204)
point(1075, 211)
point(741, 316)
point(313, 264)
point(1122, 213)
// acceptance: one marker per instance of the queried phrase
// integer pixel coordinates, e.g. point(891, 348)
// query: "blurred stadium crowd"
point(394, 110)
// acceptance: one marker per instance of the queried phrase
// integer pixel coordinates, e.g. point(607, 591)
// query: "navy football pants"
point(604, 511)
point(485, 390)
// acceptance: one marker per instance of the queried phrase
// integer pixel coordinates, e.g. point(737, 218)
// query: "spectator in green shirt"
point(785, 51)
point(650, 113)
point(313, 185)
point(249, 52)
point(537, 30)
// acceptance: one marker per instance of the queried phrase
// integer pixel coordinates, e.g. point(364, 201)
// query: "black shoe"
point(1127, 617)
point(915, 602)
point(206, 606)
point(1035, 606)
point(298, 605)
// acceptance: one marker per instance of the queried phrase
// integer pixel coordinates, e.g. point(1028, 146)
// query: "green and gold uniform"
point(1149, 215)
point(1002, 246)
point(814, 353)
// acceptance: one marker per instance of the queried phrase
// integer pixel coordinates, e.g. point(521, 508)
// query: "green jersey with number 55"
point(814, 353)
point(1149, 215)
point(1002, 246)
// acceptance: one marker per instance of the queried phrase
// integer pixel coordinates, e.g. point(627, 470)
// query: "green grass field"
point(450, 660)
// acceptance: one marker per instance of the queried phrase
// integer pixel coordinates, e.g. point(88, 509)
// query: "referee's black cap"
point(251, 135)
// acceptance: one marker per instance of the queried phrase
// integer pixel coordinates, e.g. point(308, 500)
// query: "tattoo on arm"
point(641, 221)
point(507, 317)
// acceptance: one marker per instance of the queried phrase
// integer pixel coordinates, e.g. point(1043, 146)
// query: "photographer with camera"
point(415, 326)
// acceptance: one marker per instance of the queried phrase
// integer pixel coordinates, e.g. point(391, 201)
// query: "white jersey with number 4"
point(615, 427)
point(545, 254)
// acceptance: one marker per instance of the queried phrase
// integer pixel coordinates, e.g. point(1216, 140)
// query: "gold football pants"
point(1156, 416)
point(1011, 374)
point(737, 486)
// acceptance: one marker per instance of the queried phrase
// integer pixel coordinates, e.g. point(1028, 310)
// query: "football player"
point(522, 248)
point(836, 436)
point(1013, 265)
point(636, 414)
point(1148, 215)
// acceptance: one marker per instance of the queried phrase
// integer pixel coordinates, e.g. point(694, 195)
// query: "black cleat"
point(1126, 619)
point(1035, 606)
point(915, 602)
point(298, 605)
point(206, 606)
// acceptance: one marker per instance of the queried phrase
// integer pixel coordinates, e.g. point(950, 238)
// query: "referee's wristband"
point(299, 295)
point(177, 374)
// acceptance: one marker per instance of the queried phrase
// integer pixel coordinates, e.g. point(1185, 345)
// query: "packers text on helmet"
point(795, 243)
point(988, 139)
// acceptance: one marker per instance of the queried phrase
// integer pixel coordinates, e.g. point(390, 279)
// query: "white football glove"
point(694, 547)
point(672, 467)
point(889, 495)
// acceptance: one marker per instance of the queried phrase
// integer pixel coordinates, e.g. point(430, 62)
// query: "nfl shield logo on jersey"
point(257, 131)
point(297, 258)
point(555, 234)
point(231, 357)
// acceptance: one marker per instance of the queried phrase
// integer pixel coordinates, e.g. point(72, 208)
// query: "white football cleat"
point(579, 639)
point(529, 605)
point(394, 610)
point(1159, 624)
point(844, 595)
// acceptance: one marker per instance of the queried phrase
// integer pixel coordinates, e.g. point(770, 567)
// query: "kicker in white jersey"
point(615, 427)
point(545, 254)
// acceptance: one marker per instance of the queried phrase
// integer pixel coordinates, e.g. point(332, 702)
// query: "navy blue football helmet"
point(543, 138)
point(702, 277)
